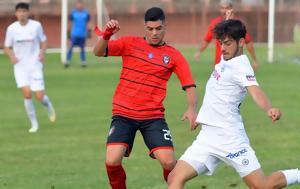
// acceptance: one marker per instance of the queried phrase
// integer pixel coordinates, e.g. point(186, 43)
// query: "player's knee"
point(168, 163)
point(113, 159)
point(39, 96)
point(272, 183)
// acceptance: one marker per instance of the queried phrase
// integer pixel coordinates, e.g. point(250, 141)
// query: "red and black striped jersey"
point(144, 75)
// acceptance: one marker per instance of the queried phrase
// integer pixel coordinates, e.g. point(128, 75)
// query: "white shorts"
point(214, 144)
point(33, 78)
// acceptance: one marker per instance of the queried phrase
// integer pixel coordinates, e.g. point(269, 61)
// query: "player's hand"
point(229, 14)
point(197, 56)
point(14, 60)
point(254, 65)
point(111, 28)
point(274, 114)
point(190, 115)
point(41, 56)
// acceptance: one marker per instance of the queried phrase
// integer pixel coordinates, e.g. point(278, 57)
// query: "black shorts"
point(155, 132)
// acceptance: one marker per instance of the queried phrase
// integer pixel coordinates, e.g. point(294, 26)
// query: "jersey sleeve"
point(116, 47)
point(40, 32)
point(8, 38)
point(209, 34)
point(245, 76)
point(247, 38)
point(183, 72)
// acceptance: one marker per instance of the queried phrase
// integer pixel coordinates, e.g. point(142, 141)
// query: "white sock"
point(30, 110)
point(46, 101)
point(292, 176)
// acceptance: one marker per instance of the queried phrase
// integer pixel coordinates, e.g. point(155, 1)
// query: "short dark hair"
point(234, 29)
point(154, 14)
point(22, 6)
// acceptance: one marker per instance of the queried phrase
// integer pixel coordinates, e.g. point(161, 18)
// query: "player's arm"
point(10, 53)
point(89, 26)
point(207, 38)
point(70, 25)
point(191, 113)
point(261, 99)
point(111, 28)
point(43, 50)
point(251, 51)
point(8, 43)
point(203, 46)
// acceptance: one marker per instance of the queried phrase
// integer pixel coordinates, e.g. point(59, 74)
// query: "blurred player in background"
point(25, 45)
point(223, 136)
point(79, 24)
point(148, 63)
point(226, 10)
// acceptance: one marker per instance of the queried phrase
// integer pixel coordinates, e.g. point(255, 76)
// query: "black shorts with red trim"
point(155, 132)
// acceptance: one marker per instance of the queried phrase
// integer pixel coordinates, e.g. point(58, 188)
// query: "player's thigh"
point(81, 42)
point(241, 157)
point(115, 154)
point(22, 77)
point(122, 132)
point(166, 158)
point(182, 172)
point(37, 79)
point(156, 135)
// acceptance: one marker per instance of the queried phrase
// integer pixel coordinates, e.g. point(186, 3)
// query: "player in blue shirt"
point(79, 19)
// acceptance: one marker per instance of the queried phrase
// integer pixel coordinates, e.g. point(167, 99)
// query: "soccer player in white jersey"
point(25, 45)
point(223, 137)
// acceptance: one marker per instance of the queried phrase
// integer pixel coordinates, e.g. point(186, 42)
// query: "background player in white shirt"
point(223, 137)
point(25, 45)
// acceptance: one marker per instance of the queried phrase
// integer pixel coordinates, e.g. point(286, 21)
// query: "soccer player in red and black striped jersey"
point(147, 64)
point(226, 10)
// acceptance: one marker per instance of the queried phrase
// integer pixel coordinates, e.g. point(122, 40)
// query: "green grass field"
point(70, 153)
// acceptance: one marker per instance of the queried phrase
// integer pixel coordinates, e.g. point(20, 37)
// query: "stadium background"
point(187, 20)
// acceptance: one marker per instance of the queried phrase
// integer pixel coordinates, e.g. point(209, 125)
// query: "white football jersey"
point(25, 42)
point(225, 91)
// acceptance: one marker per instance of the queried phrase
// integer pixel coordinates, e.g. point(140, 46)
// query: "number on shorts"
point(167, 134)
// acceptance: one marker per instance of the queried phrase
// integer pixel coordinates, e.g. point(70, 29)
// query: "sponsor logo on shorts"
point(250, 77)
point(245, 161)
point(111, 131)
point(237, 154)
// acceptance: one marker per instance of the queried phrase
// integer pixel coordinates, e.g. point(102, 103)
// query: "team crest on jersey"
point(150, 55)
point(166, 59)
